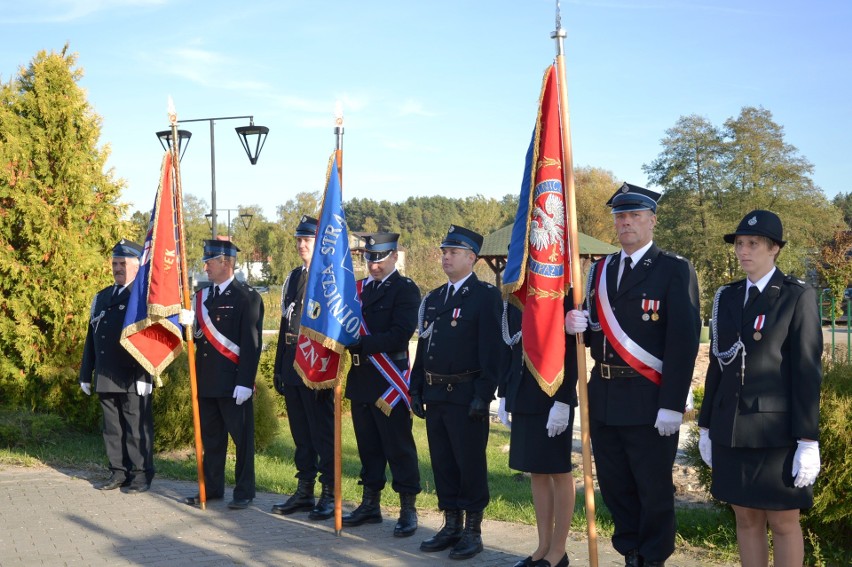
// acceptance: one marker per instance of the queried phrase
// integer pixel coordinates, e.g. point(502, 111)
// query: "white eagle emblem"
point(548, 226)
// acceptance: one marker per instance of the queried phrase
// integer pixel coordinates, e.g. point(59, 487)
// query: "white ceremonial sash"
point(638, 358)
point(220, 342)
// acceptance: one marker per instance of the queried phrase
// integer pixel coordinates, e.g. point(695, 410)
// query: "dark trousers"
point(386, 440)
point(311, 417)
point(634, 468)
point(221, 417)
point(128, 430)
point(457, 446)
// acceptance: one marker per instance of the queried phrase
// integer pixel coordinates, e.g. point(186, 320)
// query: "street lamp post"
point(245, 219)
point(251, 137)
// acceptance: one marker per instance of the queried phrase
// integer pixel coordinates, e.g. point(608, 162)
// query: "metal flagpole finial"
point(559, 34)
point(172, 112)
point(338, 117)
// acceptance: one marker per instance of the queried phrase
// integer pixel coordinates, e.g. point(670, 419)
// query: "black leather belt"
point(401, 355)
point(290, 339)
point(432, 378)
point(609, 371)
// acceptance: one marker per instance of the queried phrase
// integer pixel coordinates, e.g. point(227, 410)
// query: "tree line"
point(61, 213)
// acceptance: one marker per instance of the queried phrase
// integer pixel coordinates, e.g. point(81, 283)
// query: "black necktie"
point(628, 267)
point(116, 289)
point(753, 292)
point(215, 291)
point(450, 292)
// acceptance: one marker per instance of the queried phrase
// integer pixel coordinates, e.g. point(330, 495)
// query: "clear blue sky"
point(439, 96)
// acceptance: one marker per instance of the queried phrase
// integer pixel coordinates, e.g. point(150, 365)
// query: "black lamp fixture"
point(165, 137)
point(252, 138)
point(245, 219)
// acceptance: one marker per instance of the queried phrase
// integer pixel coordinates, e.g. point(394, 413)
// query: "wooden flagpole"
point(187, 304)
point(338, 397)
point(577, 280)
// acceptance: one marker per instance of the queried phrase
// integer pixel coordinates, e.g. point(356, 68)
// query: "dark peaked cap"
point(307, 227)
point(460, 237)
point(216, 248)
point(633, 198)
point(380, 245)
point(126, 249)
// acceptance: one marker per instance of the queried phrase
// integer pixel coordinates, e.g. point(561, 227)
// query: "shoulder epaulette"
point(673, 255)
point(795, 281)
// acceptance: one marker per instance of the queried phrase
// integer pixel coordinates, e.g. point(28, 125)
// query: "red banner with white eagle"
point(538, 271)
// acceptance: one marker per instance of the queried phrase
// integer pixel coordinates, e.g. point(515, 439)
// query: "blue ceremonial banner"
point(331, 312)
point(513, 275)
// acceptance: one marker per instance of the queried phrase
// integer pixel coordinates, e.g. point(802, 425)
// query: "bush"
point(829, 523)
point(173, 428)
point(23, 428)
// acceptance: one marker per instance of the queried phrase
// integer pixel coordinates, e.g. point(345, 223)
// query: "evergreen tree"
point(59, 218)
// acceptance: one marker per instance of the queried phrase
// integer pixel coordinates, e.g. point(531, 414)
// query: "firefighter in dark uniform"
point(541, 440)
point(310, 412)
point(455, 374)
point(759, 423)
point(380, 415)
point(644, 327)
point(123, 386)
point(228, 335)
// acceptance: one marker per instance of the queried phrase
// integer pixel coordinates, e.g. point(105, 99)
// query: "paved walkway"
point(54, 517)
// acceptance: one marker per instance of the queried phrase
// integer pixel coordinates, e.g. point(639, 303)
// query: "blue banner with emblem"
point(331, 312)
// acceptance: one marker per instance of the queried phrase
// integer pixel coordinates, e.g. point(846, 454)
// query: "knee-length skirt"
point(758, 478)
point(532, 451)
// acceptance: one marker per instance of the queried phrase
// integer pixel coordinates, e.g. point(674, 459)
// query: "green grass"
point(705, 530)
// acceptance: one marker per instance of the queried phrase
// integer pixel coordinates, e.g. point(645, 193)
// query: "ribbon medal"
point(456, 315)
point(758, 325)
point(652, 305)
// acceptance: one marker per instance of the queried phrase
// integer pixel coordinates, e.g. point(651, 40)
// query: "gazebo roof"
point(496, 244)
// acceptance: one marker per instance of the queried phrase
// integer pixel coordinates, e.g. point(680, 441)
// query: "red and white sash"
point(220, 342)
point(397, 380)
point(638, 358)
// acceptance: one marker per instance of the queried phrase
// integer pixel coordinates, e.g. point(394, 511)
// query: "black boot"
point(407, 523)
point(471, 540)
point(302, 499)
point(325, 505)
point(369, 511)
point(449, 534)
point(633, 559)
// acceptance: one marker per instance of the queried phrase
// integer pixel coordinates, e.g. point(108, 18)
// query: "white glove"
point(690, 400)
point(505, 417)
point(705, 447)
point(86, 387)
point(668, 422)
point(186, 317)
point(143, 388)
point(241, 394)
point(806, 463)
point(576, 321)
point(558, 419)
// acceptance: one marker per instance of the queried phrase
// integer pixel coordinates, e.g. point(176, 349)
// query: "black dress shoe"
point(528, 562)
point(136, 488)
point(113, 482)
point(545, 563)
point(196, 500)
point(239, 503)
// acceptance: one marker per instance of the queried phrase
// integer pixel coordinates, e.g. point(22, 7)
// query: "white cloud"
point(414, 108)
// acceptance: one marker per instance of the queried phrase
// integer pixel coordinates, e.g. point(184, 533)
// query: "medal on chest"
point(652, 305)
point(758, 326)
point(456, 315)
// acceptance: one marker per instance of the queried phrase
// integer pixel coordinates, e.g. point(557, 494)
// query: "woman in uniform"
point(759, 423)
point(541, 443)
